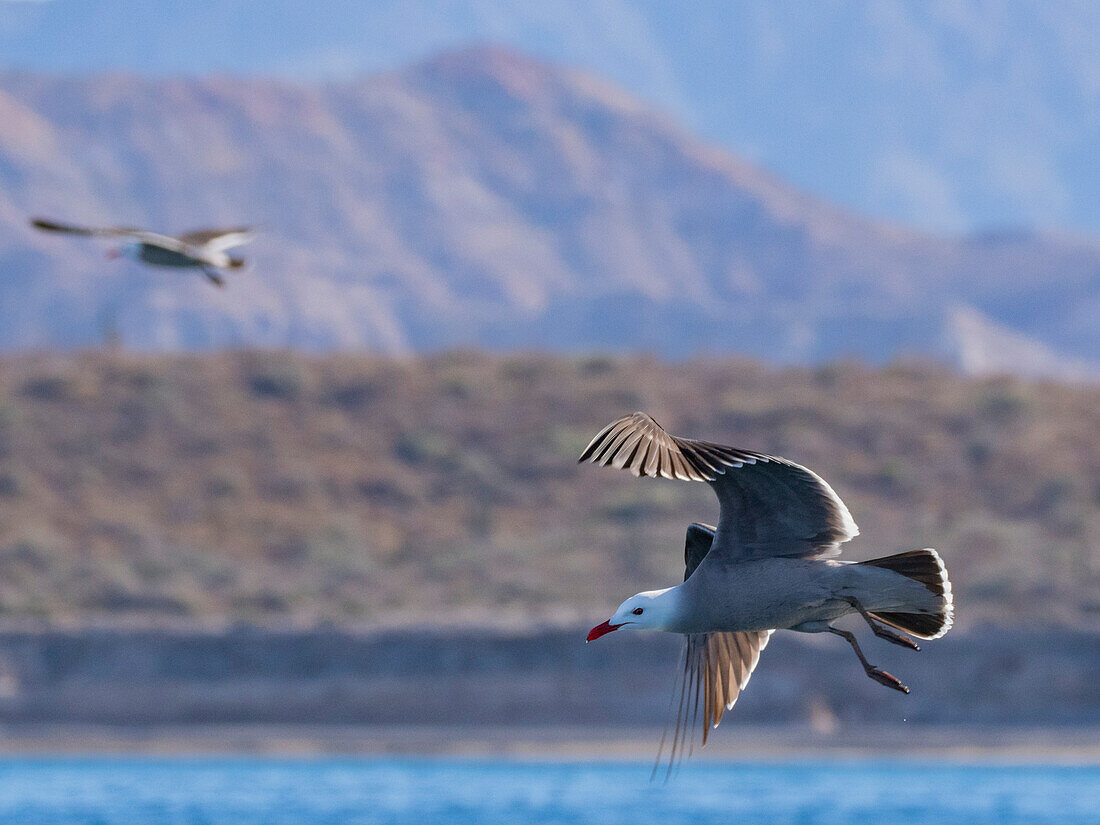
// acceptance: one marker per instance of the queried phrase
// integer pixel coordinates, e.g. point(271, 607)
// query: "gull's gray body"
point(159, 256)
point(769, 565)
point(787, 594)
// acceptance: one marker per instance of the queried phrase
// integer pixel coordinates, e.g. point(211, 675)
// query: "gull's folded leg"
point(881, 630)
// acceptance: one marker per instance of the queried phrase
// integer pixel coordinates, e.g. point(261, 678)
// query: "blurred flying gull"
point(204, 249)
point(767, 566)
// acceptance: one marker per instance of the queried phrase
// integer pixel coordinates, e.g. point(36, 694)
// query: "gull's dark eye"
point(637, 611)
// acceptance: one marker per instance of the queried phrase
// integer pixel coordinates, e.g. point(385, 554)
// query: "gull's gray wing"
point(696, 545)
point(717, 667)
point(723, 663)
point(87, 231)
point(129, 232)
point(769, 506)
point(219, 240)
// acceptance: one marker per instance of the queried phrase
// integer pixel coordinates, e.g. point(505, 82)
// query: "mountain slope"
point(479, 198)
point(942, 113)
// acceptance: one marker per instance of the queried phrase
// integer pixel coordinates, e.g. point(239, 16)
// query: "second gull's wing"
point(219, 240)
point(127, 232)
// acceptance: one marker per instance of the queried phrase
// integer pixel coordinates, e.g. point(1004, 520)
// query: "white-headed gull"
point(767, 566)
point(203, 249)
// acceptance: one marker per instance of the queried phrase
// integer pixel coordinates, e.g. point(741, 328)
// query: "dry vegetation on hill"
point(276, 487)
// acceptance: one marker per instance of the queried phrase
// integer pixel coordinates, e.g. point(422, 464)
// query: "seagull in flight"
point(768, 565)
point(204, 249)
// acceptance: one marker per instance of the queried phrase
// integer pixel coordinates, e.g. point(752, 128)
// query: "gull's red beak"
point(602, 630)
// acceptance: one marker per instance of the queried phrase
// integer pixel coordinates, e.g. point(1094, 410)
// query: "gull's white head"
point(651, 610)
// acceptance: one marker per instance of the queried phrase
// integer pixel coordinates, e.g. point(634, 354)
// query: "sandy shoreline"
point(1046, 745)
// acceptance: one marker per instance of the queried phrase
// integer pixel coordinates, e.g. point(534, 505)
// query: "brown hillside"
point(272, 487)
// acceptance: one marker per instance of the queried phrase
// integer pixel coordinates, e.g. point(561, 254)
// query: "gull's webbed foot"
point(880, 676)
point(888, 679)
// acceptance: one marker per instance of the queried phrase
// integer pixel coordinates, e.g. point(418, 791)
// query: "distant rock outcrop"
point(980, 346)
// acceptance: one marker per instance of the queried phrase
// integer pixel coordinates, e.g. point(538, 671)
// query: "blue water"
point(101, 791)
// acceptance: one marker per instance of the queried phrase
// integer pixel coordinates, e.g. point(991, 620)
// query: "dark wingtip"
point(597, 440)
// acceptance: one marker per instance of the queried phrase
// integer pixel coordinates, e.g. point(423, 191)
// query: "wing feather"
point(717, 668)
point(219, 240)
point(625, 454)
point(641, 457)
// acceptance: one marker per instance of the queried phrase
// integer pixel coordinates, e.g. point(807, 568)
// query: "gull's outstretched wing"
point(769, 506)
point(219, 240)
point(717, 667)
point(696, 546)
point(127, 232)
point(87, 231)
point(723, 663)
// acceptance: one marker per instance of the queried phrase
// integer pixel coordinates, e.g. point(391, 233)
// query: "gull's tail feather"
point(924, 566)
point(717, 667)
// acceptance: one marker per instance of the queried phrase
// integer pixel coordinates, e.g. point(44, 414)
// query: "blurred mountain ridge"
point(483, 198)
point(948, 114)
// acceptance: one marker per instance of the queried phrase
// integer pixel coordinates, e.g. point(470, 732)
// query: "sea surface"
point(243, 791)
